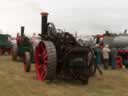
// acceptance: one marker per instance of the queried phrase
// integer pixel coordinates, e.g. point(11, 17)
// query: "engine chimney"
point(22, 31)
point(44, 24)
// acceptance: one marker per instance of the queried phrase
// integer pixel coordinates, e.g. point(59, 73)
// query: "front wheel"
point(27, 62)
point(14, 53)
point(45, 59)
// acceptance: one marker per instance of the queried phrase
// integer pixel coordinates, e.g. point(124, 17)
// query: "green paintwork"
point(25, 46)
point(4, 43)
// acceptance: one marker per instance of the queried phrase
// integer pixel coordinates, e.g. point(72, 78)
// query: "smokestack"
point(44, 17)
point(22, 31)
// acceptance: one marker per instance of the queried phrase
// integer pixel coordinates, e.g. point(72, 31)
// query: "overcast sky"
point(83, 16)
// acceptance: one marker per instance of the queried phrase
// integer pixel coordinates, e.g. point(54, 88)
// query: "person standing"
point(113, 57)
point(33, 39)
point(98, 54)
point(106, 56)
point(18, 39)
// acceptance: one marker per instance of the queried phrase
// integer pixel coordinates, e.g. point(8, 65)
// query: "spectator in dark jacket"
point(113, 57)
point(98, 54)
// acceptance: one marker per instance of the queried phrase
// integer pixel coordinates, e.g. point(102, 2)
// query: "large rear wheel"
point(45, 58)
point(27, 62)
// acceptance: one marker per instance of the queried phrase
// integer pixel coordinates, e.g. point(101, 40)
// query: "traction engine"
point(59, 55)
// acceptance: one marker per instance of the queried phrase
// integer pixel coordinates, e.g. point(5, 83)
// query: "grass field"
point(15, 82)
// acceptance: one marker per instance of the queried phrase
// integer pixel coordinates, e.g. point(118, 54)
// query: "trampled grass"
point(15, 82)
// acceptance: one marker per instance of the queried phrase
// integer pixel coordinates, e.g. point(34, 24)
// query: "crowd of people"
point(105, 56)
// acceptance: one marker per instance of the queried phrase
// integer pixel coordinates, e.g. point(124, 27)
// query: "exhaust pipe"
point(22, 31)
point(44, 25)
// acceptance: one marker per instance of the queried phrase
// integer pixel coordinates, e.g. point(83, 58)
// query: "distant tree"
point(107, 33)
point(125, 31)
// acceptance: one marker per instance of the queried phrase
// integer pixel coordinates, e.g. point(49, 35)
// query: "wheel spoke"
point(41, 59)
point(42, 52)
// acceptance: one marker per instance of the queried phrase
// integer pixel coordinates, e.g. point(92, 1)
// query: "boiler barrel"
point(117, 41)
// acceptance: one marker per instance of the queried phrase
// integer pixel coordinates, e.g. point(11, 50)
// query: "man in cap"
point(106, 56)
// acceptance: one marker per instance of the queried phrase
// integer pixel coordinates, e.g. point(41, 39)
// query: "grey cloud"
point(83, 16)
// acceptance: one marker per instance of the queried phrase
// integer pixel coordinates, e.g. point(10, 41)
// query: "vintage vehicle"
point(118, 41)
point(59, 55)
point(23, 49)
point(5, 44)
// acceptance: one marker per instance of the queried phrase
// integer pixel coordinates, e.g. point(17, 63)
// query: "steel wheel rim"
point(91, 64)
point(41, 61)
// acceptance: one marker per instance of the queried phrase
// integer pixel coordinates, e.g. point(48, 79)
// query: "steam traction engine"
point(24, 50)
point(59, 55)
point(118, 41)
